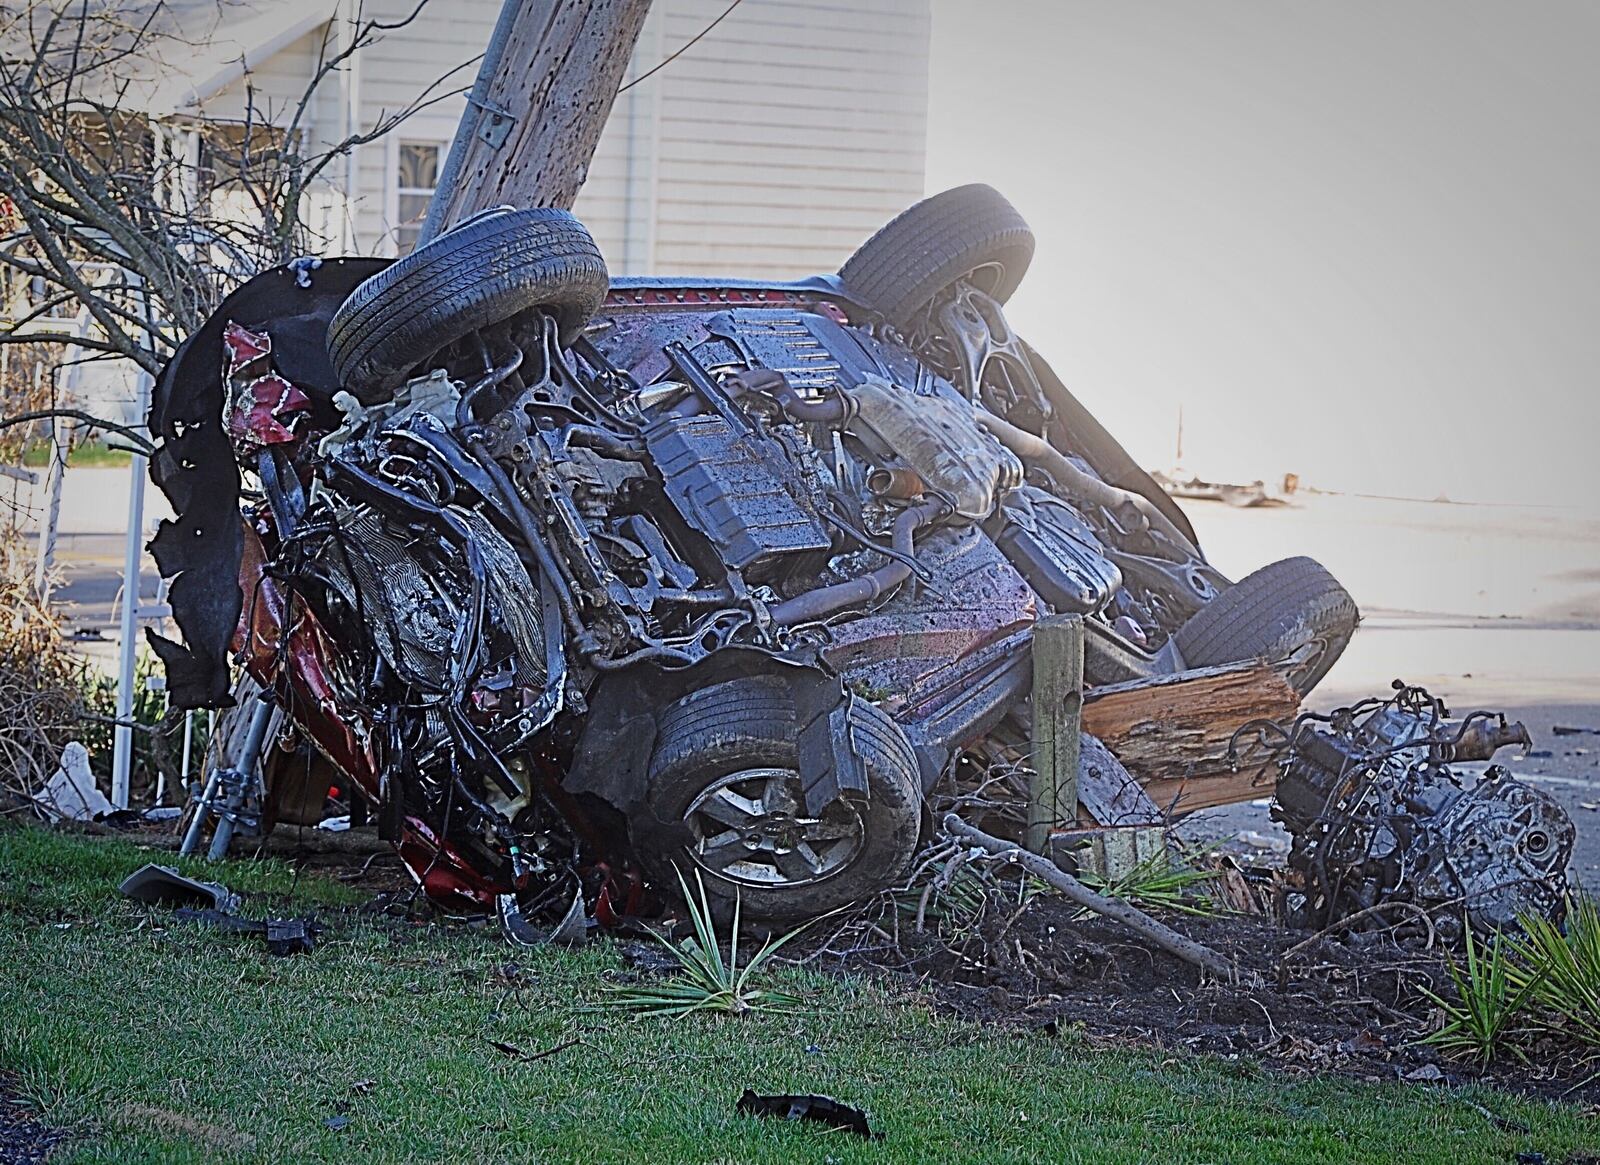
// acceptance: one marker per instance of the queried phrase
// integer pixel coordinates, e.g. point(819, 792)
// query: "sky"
point(1355, 240)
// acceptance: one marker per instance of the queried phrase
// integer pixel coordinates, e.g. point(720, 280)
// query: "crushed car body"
point(578, 580)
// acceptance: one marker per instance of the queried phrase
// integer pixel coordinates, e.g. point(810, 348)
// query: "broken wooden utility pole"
point(1176, 733)
point(544, 90)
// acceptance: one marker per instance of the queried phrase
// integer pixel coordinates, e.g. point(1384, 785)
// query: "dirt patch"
point(24, 1140)
point(1352, 1005)
point(182, 1125)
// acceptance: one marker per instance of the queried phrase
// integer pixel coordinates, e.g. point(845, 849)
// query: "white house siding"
point(771, 147)
point(275, 86)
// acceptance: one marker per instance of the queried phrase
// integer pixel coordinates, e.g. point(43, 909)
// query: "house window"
point(416, 174)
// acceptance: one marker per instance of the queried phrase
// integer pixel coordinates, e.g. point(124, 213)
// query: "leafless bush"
point(137, 219)
point(43, 685)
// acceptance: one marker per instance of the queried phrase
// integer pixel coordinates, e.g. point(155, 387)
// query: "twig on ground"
point(1075, 891)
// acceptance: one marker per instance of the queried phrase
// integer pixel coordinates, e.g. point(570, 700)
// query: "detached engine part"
point(1380, 814)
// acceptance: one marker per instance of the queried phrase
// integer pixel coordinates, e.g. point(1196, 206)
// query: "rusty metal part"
point(769, 382)
point(897, 484)
point(826, 600)
point(1378, 815)
point(1132, 509)
point(936, 433)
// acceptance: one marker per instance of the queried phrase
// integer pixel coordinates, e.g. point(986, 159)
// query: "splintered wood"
point(1172, 732)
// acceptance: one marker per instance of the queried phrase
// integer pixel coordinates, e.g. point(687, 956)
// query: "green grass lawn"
point(164, 1042)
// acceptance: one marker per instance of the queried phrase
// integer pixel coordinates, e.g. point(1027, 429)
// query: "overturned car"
point(576, 580)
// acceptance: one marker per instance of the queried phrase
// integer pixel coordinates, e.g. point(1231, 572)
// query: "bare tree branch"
point(88, 419)
point(104, 209)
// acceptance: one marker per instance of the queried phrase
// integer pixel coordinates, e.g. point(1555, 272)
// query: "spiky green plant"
point(1492, 995)
point(1562, 971)
point(1157, 882)
point(705, 981)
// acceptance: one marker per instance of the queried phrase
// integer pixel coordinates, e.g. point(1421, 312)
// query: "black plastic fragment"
point(283, 936)
point(822, 1109)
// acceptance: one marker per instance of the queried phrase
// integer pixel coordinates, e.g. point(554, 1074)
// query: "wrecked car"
point(577, 581)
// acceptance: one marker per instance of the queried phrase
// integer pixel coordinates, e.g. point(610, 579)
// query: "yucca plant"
point(705, 981)
point(1562, 972)
point(1157, 882)
point(1493, 992)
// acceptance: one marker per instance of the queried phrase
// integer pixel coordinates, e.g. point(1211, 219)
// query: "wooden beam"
point(1057, 713)
point(1173, 732)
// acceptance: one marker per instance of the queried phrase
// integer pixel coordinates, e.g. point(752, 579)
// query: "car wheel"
point(1291, 611)
point(969, 233)
point(726, 767)
point(488, 270)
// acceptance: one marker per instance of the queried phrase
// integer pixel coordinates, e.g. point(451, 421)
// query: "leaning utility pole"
point(534, 116)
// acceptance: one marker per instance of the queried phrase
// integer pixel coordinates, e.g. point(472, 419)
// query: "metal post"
point(188, 747)
point(133, 552)
point(1057, 721)
point(52, 509)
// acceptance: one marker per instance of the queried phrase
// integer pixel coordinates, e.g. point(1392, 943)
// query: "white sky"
point(1354, 240)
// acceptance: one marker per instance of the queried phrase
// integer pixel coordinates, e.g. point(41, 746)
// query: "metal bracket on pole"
point(1057, 721)
point(495, 125)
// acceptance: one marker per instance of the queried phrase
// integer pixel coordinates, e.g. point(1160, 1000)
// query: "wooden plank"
point(1057, 712)
point(1173, 732)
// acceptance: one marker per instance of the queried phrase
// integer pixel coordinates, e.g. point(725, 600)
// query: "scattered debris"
point(282, 936)
point(823, 1110)
point(517, 1053)
point(571, 931)
point(1380, 817)
point(1075, 891)
point(1242, 496)
point(71, 793)
point(164, 886)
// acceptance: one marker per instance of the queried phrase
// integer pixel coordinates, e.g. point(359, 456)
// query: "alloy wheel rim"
point(752, 828)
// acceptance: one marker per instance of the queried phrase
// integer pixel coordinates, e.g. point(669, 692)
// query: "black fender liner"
point(194, 464)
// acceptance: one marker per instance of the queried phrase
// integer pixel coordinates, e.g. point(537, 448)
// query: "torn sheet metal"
point(281, 936)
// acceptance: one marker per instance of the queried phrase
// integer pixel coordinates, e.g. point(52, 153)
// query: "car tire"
point(970, 232)
point(748, 727)
point(488, 270)
point(1271, 615)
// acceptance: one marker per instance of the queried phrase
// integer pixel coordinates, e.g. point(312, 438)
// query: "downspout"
point(349, 122)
